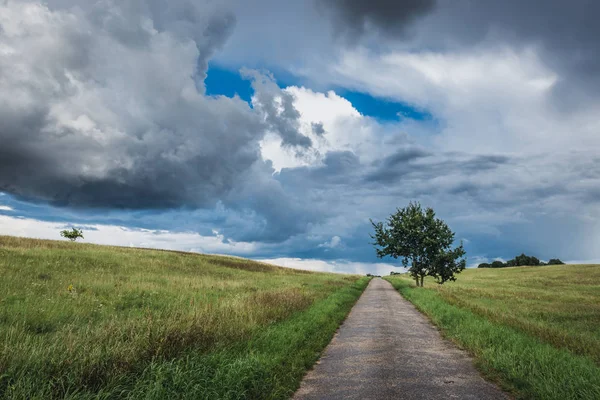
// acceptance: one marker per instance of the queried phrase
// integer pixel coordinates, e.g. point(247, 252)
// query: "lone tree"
point(72, 234)
point(421, 240)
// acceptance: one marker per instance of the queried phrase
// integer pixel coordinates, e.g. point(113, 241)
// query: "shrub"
point(72, 234)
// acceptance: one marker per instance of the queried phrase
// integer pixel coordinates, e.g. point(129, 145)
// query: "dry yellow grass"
point(78, 316)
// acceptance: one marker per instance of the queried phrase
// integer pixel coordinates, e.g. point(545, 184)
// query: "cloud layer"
point(103, 108)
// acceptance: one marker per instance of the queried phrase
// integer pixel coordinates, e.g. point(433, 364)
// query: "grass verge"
point(558, 304)
point(519, 362)
point(268, 366)
point(82, 321)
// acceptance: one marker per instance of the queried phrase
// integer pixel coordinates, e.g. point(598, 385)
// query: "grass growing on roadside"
point(268, 366)
point(86, 321)
point(484, 322)
point(558, 304)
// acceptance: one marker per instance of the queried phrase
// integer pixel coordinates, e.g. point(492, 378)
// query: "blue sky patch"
point(228, 82)
point(383, 109)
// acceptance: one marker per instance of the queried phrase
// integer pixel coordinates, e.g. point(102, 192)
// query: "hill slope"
point(83, 321)
point(559, 304)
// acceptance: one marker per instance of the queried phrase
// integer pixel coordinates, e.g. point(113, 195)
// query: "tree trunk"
point(422, 280)
point(414, 270)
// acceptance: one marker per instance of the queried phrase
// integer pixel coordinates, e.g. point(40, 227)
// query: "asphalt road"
point(386, 349)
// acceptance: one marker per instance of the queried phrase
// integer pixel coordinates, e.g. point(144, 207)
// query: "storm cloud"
point(354, 18)
point(103, 106)
point(566, 34)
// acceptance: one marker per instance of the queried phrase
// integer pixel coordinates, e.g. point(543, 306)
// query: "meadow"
point(534, 330)
point(83, 321)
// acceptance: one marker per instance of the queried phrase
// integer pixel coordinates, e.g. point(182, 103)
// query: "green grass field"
point(87, 321)
point(535, 330)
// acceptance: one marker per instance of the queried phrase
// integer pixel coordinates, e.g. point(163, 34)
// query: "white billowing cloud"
point(121, 236)
point(345, 128)
point(487, 100)
point(340, 128)
point(5, 208)
point(335, 241)
point(340, 266)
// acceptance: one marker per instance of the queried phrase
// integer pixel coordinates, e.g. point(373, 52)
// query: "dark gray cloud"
point(340, 162)
point(338, 168)
point(398, 164)
point(424, 173)
point(483, 197)
point(317, 128)
point(566, 33)
point(354, 18)
point(103, 106)
point(404, 155)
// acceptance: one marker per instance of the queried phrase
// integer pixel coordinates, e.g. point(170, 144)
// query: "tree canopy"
point(422, 241)
point(520, 260)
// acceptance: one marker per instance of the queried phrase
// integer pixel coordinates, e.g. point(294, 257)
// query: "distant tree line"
point(520, 261)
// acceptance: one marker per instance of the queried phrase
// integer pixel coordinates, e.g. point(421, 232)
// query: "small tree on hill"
point(421, 240)
point(498, 264)
point(484, 265)
point(72, 234)
point(555, 261)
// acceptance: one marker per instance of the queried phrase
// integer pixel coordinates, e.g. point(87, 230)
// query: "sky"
point(276, 130)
